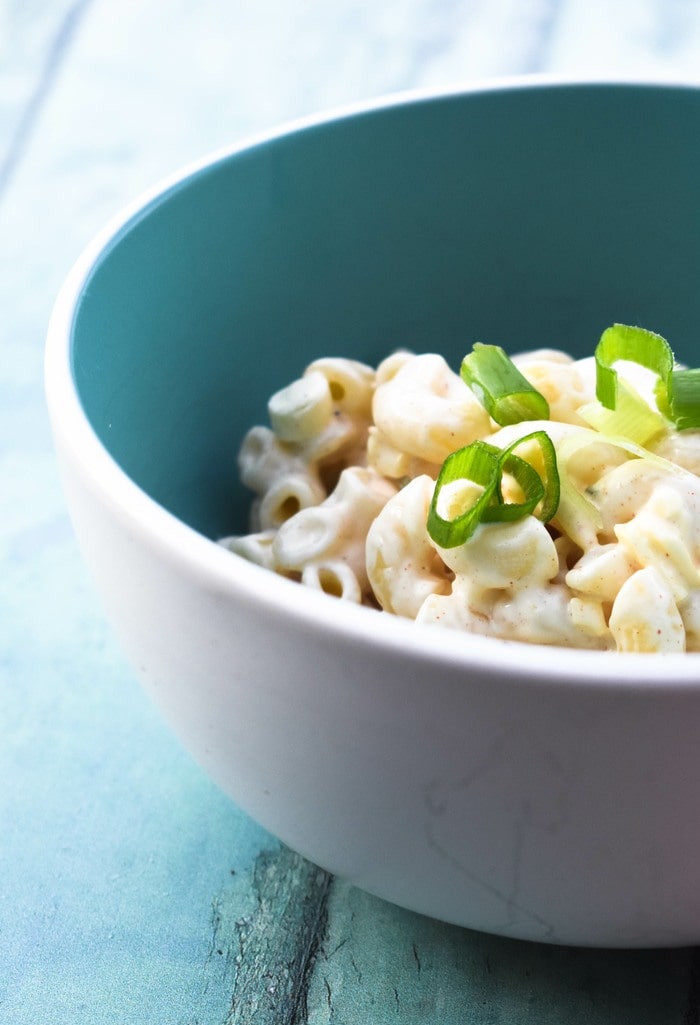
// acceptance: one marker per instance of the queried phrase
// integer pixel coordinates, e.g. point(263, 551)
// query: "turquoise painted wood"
point(379, 964)
point(131, 891)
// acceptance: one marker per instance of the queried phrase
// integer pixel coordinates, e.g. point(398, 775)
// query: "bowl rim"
point(538, 665)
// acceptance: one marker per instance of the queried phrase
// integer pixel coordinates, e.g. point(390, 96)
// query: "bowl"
point(528, 791)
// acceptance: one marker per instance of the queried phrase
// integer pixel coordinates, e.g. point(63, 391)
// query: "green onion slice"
point(631, 418)
point(530, 483)
point(629, 343)
point(479, 463)
point(485, 465)
point(505, 394)
point(544, 461)
point(577, 515)
point(684, 396)
point(677, 390)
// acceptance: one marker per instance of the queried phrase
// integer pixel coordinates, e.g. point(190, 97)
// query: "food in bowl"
point(536, 791)
point(538, 499)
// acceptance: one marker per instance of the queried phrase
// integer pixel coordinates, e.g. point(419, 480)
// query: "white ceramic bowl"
point(539, 793)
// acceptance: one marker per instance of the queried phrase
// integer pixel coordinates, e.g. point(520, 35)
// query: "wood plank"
point(273, 946)
point(123, 871)
point(377, 963)
point(33, 42)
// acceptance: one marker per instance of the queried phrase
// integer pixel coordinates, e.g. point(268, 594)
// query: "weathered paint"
point(123, 871)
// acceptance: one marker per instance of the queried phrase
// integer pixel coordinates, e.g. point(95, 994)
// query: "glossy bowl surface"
point(538, 793)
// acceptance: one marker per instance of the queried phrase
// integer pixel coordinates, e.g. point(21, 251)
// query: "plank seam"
point(54, 58)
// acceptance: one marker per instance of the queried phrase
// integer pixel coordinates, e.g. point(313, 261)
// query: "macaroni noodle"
point(344, 479)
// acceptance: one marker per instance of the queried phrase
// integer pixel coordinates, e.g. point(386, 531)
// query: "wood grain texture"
point(381, 964)
point(275, 942)
point(33, 42)
point(131, 891)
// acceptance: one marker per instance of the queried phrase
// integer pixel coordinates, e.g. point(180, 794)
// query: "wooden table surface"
point(132, 891)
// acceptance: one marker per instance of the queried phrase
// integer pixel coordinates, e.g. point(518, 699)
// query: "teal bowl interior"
point(528, 216)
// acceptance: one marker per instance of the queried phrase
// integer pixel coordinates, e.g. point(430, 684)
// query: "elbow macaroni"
point(344, 476)
point(424, 411)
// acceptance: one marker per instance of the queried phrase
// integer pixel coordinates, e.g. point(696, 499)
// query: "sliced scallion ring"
point(677, 390)
point(544, 462)
point(485, 465)
point(684, 396)
point(530, 483)
point(479, 463)
point(505, 394)
point(623, 342)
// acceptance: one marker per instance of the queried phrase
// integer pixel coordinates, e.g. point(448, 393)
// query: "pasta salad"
point(536, 498)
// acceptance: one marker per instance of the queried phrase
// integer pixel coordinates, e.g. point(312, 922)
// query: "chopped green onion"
point(529, 482)
point(546, 469)
point(631, 418)
point(505, 394)
point(483, 464)
point(477, 462)
point(576, 515)
point(622, 417)
point(651, 457)
point(677, 390)
point(684, 394)
point(629, 343)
